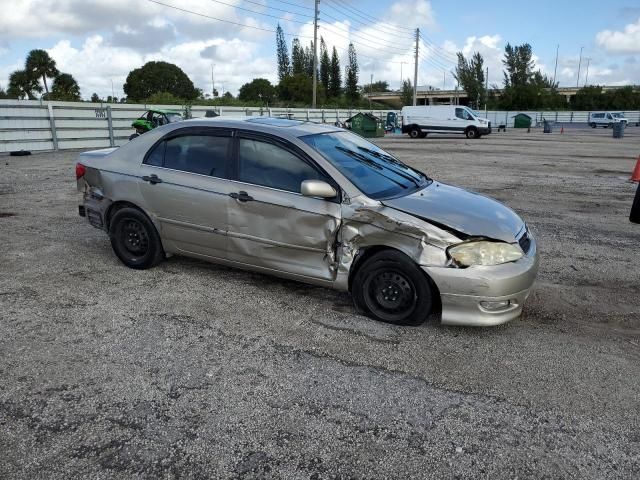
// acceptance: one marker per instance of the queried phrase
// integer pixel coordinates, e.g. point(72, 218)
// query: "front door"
point(271, 225)
point(184, 183)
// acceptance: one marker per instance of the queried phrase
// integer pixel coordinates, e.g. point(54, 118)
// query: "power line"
point(260, 13)
point(444, 53)
point(276, 8)
point(369, 24)
point(377, 45)
point(224, 20)
point(364, 16)
point(294, 5)
point(433, 49)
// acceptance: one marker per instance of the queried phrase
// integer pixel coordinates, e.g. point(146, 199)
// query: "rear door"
point(271, 225)
point(184, 181)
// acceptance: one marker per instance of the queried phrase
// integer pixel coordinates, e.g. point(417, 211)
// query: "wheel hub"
point(392, 291)
point(135, 237)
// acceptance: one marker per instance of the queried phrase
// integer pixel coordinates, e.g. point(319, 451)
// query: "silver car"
point(313, 203)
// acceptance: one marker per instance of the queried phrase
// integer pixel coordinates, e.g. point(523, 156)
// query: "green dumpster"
point(522, 120)
point(366, 125)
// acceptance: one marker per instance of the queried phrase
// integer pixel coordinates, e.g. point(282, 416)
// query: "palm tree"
point(23, 84)
point(65, 87)
point(40, 64)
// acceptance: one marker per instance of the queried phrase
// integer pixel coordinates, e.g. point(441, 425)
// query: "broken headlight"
point(484, 253)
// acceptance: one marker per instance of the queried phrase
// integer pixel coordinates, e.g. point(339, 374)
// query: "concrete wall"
point(34, 125)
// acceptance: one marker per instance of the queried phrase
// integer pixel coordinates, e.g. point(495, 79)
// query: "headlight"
point(485, 253)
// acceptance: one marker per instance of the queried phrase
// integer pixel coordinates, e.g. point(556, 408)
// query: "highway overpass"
point(430, 96)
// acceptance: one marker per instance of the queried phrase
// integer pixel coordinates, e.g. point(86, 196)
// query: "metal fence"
point(35, 125)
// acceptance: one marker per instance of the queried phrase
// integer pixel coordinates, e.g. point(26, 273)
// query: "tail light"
point(80, 170)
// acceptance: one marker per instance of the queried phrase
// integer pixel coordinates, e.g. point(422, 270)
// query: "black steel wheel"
point(415, 132)
point(472, 132)
point(391, 288)
point(134, 239)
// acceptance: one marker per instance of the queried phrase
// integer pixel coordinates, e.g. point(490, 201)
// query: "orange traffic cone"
point(635, 176)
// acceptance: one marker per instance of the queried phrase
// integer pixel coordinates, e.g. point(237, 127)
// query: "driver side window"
point(269, 165)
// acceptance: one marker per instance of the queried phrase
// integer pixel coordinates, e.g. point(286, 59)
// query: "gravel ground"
point(199, 371)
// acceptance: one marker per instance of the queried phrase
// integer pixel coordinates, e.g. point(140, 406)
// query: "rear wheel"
point(391, 288)
point(472, 132)
point(415, 132)
point(134, 239)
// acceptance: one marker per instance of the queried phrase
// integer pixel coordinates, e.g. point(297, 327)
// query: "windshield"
point(373, 171)
point(617, 115)
point(174, 117)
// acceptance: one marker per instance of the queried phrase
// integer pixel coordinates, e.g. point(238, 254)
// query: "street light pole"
point(579, 65)
point(415, 70)
point(315, 54)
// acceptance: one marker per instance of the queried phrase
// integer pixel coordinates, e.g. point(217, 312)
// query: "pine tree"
point(351, 80)
point(308, 55)
point(335, 77)
point(284, 67)
point(325, 65)
point(298, 60)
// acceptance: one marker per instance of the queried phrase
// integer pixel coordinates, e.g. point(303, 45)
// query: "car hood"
point(467, 212)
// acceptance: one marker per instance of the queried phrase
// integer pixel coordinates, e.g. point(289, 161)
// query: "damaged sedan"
point(312, 203)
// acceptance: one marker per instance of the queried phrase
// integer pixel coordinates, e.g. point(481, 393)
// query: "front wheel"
point(592, 125)
point(472, 133)
point(391, 288)
point(415, 132)
point(134, 239)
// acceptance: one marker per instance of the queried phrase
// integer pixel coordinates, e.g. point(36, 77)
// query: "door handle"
point(152, 179)
point(241, 196)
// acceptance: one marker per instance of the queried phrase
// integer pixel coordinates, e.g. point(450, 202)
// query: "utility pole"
point(213, 85)
point(401, 77)
point(370, 90)
point(555, 70)
point(444, 78)
point(315, 54)
point(415, 71)
point(486, 92)
point(579, 65)
point(113, 92)
point(586, 78)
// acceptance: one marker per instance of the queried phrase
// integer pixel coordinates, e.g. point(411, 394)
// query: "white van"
point(418, 121)
point(606, 119)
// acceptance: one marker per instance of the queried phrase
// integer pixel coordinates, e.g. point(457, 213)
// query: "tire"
point(134, 239)
point(391, 288)
point(415, 132)
point(423, 134)
point(472, 132)
point(133, 135)
point(592, 125)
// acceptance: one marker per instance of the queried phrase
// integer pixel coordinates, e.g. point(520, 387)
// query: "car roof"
point(279, 126)
point(163, 110)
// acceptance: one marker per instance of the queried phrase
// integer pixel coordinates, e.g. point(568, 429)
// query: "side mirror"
point(317, 188)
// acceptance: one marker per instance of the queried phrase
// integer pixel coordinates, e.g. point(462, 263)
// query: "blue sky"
point(100, 41)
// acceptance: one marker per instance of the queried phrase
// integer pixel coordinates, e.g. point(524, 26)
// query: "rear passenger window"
point(269, 165)
point(202, 154)
point(156, 157)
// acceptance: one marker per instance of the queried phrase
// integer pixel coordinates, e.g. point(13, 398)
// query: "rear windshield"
point(376, 173)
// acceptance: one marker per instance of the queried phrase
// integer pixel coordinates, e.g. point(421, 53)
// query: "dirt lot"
point(193, 370)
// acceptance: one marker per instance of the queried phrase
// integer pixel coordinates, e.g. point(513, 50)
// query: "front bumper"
point(477, 296)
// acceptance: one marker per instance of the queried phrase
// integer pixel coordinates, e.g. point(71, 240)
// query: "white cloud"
point(625, 42)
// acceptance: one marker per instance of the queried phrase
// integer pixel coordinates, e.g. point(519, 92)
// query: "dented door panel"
point(283, 232)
